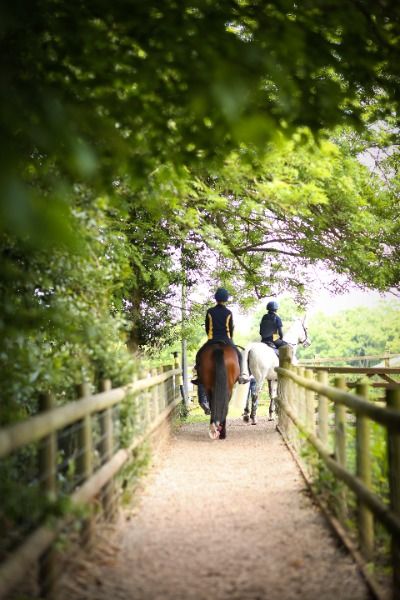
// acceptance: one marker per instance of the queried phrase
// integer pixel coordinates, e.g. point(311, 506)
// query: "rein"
point(302, 342)
point(306, 334)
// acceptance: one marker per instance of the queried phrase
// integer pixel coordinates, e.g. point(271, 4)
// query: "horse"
point(218, 371)
point(261, 360)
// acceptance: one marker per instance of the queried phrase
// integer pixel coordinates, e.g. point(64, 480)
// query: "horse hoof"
point(254, 420)
point(270, 418)
point(246, 418)
point(214, 431)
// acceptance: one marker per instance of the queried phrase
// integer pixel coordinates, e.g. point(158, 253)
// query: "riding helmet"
point(221, 295)
point(272, 305)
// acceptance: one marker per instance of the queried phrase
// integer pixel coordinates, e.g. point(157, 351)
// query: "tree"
point(98, 91)
point(300, 204)
point(133, 132)
point(355, 332)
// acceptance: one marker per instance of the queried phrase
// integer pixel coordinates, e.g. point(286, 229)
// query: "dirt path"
point(225, 520)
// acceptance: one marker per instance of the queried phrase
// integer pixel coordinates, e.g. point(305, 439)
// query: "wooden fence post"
point(166, 387)
point(155, 398)
point(84, 461)
point(340, 443)
point(176, 377)
point(47, 466)
point(323, 410)
point(106, 452)
point(365, 516)
point(285, 356)
point(310, 404)
point(301, 394)
point(393, 401)
point(285, 385)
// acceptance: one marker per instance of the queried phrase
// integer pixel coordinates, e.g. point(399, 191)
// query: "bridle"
point(305, 342)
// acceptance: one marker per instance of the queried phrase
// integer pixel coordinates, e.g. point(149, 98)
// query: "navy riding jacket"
point(219, 323)
point(270, 324)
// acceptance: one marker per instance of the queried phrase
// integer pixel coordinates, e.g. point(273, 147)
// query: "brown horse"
point(218, 371)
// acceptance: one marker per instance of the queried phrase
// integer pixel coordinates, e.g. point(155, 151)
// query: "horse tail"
point(221, 396)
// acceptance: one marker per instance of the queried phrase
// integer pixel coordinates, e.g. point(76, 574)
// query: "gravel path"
point(228, 519)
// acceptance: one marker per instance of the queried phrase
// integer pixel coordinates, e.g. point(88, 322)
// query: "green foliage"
point(63, 320)
point(355, 332)
point(128, 419)
point(183, 411)
point(156, 144)
point(269, 216)
point(23, 506)
point(131, 474)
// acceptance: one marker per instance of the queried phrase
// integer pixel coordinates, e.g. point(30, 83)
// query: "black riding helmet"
point(221, 295)
point(272, 306)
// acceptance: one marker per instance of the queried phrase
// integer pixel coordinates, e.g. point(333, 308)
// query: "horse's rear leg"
point(214, 431)
point(254, 406)
point(246, 411)
point(254, 390)
point(222, 432)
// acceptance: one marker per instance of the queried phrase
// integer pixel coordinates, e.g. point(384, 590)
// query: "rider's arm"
point(279, 326)
point(261, 326)
point(208, 324)
point(230, 325)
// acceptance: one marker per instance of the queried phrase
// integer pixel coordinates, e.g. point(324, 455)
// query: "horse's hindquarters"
point(218, 371)
point(262, 362)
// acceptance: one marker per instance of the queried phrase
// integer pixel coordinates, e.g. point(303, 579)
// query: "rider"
point(219, 327)
point(271, 327)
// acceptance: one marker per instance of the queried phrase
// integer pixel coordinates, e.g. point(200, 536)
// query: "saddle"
point(272, 345)
point(211, 342)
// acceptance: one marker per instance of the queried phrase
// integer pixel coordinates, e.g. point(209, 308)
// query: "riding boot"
point(242, 377)
point(195, 381)
point(203, 400)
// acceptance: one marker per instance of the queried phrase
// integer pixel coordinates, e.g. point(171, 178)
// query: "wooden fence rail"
point(317, 360)
point(304, 407)
point(96, 456)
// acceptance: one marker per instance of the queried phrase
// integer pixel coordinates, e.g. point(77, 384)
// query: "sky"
point(329, 303)
point(325, 301)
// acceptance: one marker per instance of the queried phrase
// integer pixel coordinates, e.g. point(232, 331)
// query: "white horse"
point(259, 362)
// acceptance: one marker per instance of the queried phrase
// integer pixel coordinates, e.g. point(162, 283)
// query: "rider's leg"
point(195, 381)
point(242, 377)
point(202, 397)
point(278, 344)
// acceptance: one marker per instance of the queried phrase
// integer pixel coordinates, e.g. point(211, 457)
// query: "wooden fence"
point(382, 375)
point(72, 454)
point(387, 359)
point(319, 421)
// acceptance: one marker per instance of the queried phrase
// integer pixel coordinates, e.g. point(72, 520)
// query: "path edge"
point(339, 531)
